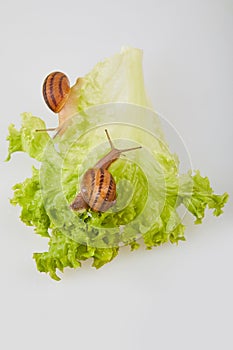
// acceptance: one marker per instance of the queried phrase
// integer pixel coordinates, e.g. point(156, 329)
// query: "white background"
point(173, 297)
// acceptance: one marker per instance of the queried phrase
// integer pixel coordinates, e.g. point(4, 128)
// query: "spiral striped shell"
point(98, 189)
point(56, 89)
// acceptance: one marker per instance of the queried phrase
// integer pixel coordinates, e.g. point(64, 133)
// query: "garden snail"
point(98, 187)
point(61, 98)
point(56, 90)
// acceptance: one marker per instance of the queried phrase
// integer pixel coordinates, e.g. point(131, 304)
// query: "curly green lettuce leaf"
point(192, 191)
point(27, 139)
point(65, 252)
point(196, 195)
point(202, 197)
point(28, 196)
point(44, 198)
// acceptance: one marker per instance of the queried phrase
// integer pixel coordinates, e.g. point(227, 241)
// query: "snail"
point(56, 90)
point(61, 98)
point(98, 187)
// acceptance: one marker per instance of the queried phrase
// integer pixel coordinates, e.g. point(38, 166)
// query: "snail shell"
point(56, 90)
point(98, 189)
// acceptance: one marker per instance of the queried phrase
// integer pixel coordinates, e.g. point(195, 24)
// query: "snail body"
point(98, 187)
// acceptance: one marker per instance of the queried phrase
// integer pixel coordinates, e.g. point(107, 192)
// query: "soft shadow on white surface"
point(167, 298)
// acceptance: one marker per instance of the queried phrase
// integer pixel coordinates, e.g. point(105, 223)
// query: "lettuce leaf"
point(149, 198)
point(27, 139)
point(203, 197)
point(65, 252)
point(118, 79)
point(28, 196)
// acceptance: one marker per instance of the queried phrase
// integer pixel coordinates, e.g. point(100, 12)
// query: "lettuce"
point(150, 188)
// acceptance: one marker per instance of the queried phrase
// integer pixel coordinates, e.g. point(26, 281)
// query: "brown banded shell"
point(98, 189)
point(56, 90)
